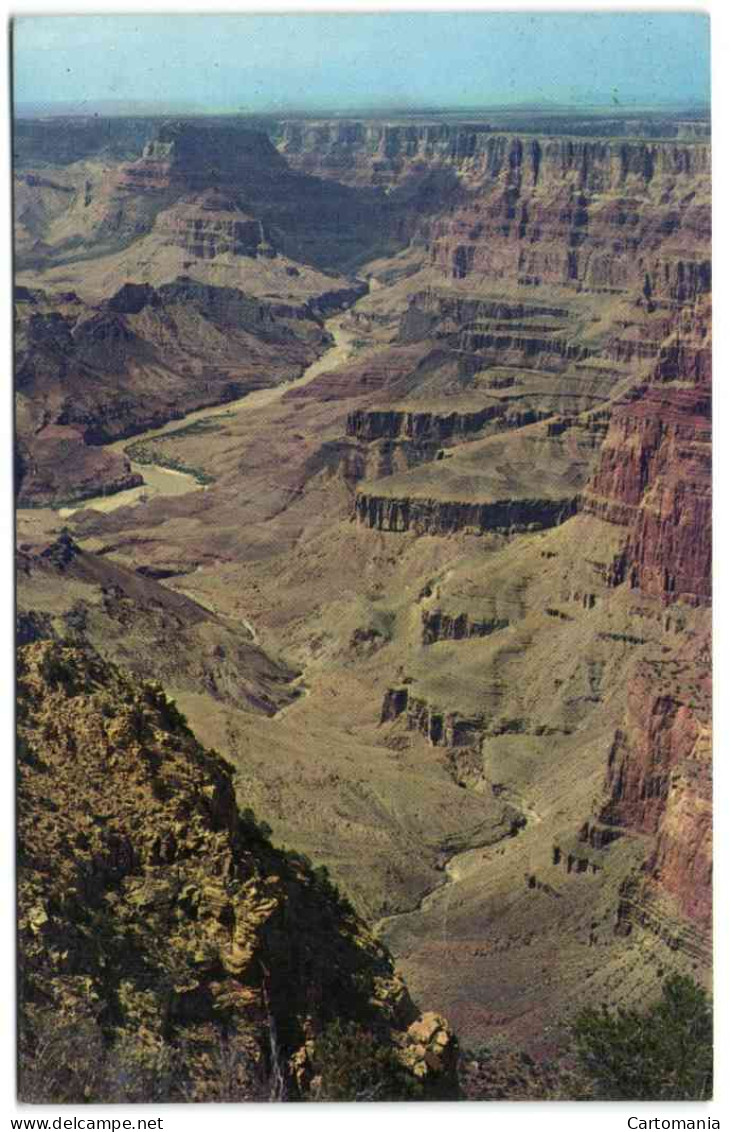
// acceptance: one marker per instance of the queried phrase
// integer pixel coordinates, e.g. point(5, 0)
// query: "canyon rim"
point(363, 557)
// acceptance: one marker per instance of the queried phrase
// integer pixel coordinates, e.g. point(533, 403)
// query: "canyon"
point(432, 564)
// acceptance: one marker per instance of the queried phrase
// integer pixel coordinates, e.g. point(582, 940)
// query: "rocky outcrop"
point(461, 736)
point(154, 914)
point(201, 156)
point(442, 729)
point(213, 224)
point(441, 517)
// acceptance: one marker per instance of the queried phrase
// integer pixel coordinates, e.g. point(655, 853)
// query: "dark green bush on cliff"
point(354, 1066)
point(663, 1053)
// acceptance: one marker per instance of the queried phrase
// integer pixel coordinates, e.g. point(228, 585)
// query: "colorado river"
point(159, 480)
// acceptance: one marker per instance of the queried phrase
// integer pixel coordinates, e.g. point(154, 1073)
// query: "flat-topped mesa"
point(385, 442)
point(443, 517)
point(401, 424)
point(435, 427)
point(220, 172)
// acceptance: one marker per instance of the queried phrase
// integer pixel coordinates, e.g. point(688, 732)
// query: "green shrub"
point(354, 1066)
point(321, 874)
point(665, 1053)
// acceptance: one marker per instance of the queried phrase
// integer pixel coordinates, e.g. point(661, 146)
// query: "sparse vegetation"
point(75, 1062)
point(662, 1053)
point(143, 453)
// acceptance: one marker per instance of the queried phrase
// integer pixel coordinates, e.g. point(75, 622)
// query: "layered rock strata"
point(654, 477)
point(438, 625)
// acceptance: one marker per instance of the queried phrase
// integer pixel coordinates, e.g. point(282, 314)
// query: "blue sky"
point(334, 62)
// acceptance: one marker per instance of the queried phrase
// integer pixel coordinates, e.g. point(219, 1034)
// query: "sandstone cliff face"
point(212, 225)
point(592, 216)
point(654, 476)
point(391, 150)
point(389, 424)
point(461, 736)
point(440, 626)
point(149, 904)
point(588, 214)
point(659, 784)
point(440, 517)
point(681, 864)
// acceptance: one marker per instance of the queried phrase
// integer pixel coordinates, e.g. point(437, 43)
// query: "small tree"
point(353, 1065)
point(665, 1053)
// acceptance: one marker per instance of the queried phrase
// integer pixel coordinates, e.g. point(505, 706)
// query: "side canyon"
point(437, 585)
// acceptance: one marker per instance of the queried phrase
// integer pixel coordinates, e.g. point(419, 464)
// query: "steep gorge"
point(491, 522)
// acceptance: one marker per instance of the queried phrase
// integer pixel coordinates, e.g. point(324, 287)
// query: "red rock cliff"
point(659, 783)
